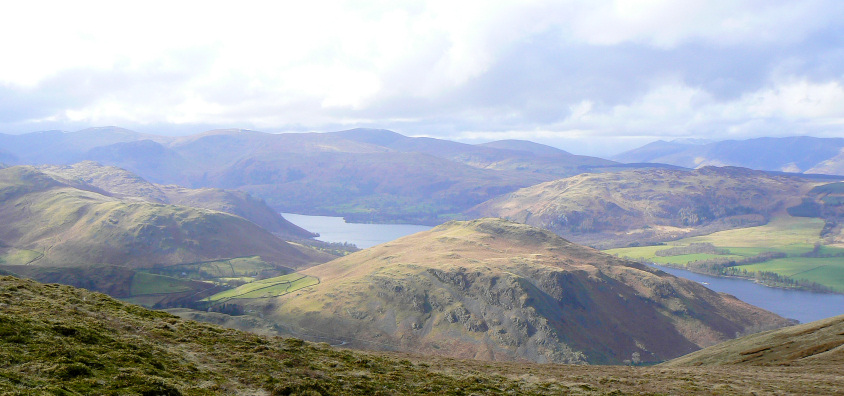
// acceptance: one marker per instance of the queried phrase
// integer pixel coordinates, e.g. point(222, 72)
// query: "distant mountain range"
point(800, 154)
point(362, 174)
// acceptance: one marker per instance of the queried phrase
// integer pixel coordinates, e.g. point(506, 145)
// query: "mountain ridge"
point(798, 154)
point(649, 205)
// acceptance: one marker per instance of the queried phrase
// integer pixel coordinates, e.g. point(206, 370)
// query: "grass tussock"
point(59, 340)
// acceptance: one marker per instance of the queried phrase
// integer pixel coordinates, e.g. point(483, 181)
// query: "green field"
point(233, 271)
point(264, 288)
point(827, 271)
point(144, 284)
point(793, 236)
point(781, 232)
point(19, 256)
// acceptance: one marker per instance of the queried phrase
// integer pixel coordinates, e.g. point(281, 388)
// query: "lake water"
point(795, 304)
point(335, 229)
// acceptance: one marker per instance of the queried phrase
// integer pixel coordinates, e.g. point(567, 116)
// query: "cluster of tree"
point(335, 248)
point(695, 248)
point(816, 253)
point(777, 280)
point(228, 309)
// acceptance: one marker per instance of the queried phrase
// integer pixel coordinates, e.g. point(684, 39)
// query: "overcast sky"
point(591, 77)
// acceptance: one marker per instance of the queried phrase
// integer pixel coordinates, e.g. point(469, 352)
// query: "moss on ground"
point(60, 340)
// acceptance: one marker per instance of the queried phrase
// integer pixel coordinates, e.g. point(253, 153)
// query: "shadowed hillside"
point(496, 290)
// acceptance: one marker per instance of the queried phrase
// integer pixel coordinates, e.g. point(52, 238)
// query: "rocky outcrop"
point(497, 290)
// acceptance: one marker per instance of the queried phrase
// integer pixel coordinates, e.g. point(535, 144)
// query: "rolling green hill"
point(70, 226)
point(67, 341)
point(496, 290)
point(649, 205)
point(124, 184)
point(62, 231)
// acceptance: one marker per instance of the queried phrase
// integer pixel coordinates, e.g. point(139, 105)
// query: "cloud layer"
point(589, 76)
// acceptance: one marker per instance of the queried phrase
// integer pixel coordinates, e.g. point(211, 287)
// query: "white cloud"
point(426, 65)
point(667, 23)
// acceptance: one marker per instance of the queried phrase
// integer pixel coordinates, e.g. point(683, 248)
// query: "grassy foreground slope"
point(59, 340)
point(497, 290)
point(819, 343)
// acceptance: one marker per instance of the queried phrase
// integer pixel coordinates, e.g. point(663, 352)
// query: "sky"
point(592, 77)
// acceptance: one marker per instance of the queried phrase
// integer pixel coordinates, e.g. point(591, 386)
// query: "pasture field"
point(270, 287)
point(794, 236)
point(687, 258)
point(781, 232)
point(19, 256)
point(828, 271)
point(233, 271)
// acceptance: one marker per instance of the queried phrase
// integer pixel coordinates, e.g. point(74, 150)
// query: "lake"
point(795, 304)
point(335, 229)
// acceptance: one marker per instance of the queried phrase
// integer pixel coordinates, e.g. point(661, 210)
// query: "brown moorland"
point(498, 290)
point(63, 340)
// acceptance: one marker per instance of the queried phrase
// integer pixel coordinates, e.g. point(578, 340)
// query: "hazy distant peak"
point(525, 145)
point(373, 136)
point(691, 141)
point(231, 131)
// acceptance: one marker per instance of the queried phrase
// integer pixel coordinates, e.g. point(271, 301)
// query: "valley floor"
point(787, 252)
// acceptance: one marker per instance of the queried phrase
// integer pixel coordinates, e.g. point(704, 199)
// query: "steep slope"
point(124, 184)
point(496, 290)
point(614, 209)
point(653, 151)
point(525, 145)
point(816, 343)
point(832, 166)
point(66, 225)
point(145, 157)
point(788, 154)
point(61, 340)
